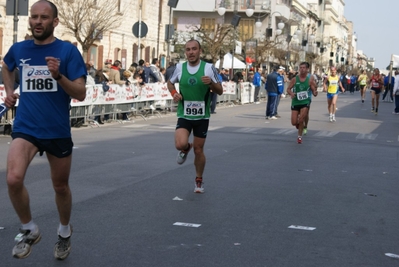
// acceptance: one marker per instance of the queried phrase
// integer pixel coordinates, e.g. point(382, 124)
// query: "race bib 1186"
point(38, 79)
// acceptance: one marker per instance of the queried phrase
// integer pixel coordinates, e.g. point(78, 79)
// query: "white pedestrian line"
point(246, 130)
point(177, 198)
point(367, 136)
point(285, 131)
point(195, 225)
point(213, 128)
point(134, 125)
point(168, 127)
point(326, 133)
point(392, 255)
point(299, 227)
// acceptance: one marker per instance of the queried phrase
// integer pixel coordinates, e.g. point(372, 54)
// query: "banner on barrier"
point(2, 93)
point(229, 88)
point(121, 94)
point(247, 92)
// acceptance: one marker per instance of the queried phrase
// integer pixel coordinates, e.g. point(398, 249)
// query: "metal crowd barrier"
point(151, 100)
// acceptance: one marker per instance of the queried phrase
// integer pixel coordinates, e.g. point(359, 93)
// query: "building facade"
point(312, 30)
point(118, 43)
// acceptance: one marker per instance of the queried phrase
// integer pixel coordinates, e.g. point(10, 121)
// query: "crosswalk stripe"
point(285, 131)
point(367, 136)
point(133, 125)
point(326, 133)
point(246, 130)
point(213, 128)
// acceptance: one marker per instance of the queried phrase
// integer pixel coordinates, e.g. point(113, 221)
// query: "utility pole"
point(234, 22)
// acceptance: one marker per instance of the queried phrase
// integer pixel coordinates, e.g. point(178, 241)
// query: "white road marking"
point(326, 133)
point(392, 255)
point(168, 127)
point(246, 130)
point(134, 125)
point(299, 227)
point(285, 131)
point(213, 128)
point(367, 136)
point(187, 224)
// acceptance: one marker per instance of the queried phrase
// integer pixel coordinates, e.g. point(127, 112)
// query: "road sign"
point(143, 32)
point(22, 8)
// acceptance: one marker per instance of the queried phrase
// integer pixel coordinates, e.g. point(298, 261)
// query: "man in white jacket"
point(395, 93)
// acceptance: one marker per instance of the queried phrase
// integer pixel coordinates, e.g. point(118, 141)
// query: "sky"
point(374, 23)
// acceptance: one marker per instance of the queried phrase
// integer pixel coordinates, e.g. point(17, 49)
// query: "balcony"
point(327, 21)
point(243, 5)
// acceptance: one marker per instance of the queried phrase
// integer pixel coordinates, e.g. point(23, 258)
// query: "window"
point(208, 24)
point(247, 3)
point(246, 29)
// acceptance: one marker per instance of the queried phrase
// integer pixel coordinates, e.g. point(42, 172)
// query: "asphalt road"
point(331, 201)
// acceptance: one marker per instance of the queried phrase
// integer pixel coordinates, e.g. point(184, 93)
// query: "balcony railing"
point(242, 5)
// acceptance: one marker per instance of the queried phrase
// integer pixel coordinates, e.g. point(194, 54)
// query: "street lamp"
point(280, 26)
point(235, 21)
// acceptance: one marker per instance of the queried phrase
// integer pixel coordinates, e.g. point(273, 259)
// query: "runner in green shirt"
point(299, 91)
point(196, 78)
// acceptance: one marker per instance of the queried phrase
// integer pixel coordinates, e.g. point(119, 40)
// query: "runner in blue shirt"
point(52, 72)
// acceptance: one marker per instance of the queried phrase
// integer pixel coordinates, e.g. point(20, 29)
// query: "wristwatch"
point(58, 77)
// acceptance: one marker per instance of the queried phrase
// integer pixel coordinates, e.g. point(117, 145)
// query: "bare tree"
point(215, 42)
point(88, 20)
point(265, 49)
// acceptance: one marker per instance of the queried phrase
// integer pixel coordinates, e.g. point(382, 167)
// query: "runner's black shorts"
point(58, 147)
point(377, 91)
point(299, 107)
point(199, 127)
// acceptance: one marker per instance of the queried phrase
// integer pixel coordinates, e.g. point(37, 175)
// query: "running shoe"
point(198, 186)
point(182, 155)
point(273, 118)
point(25, 241)
point(362, 101)
point(372, 109)
point(333, 118)
point(63, 247)
point(305, 131)
point(376, 111)
point(299, 140)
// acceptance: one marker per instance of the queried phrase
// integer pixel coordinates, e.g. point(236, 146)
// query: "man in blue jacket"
point(272, 94)
point(280, 86)
point(388, 87)
point(257, 81)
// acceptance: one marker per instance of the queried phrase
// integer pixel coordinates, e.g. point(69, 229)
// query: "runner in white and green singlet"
point(196, 78)
point(299, 91)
